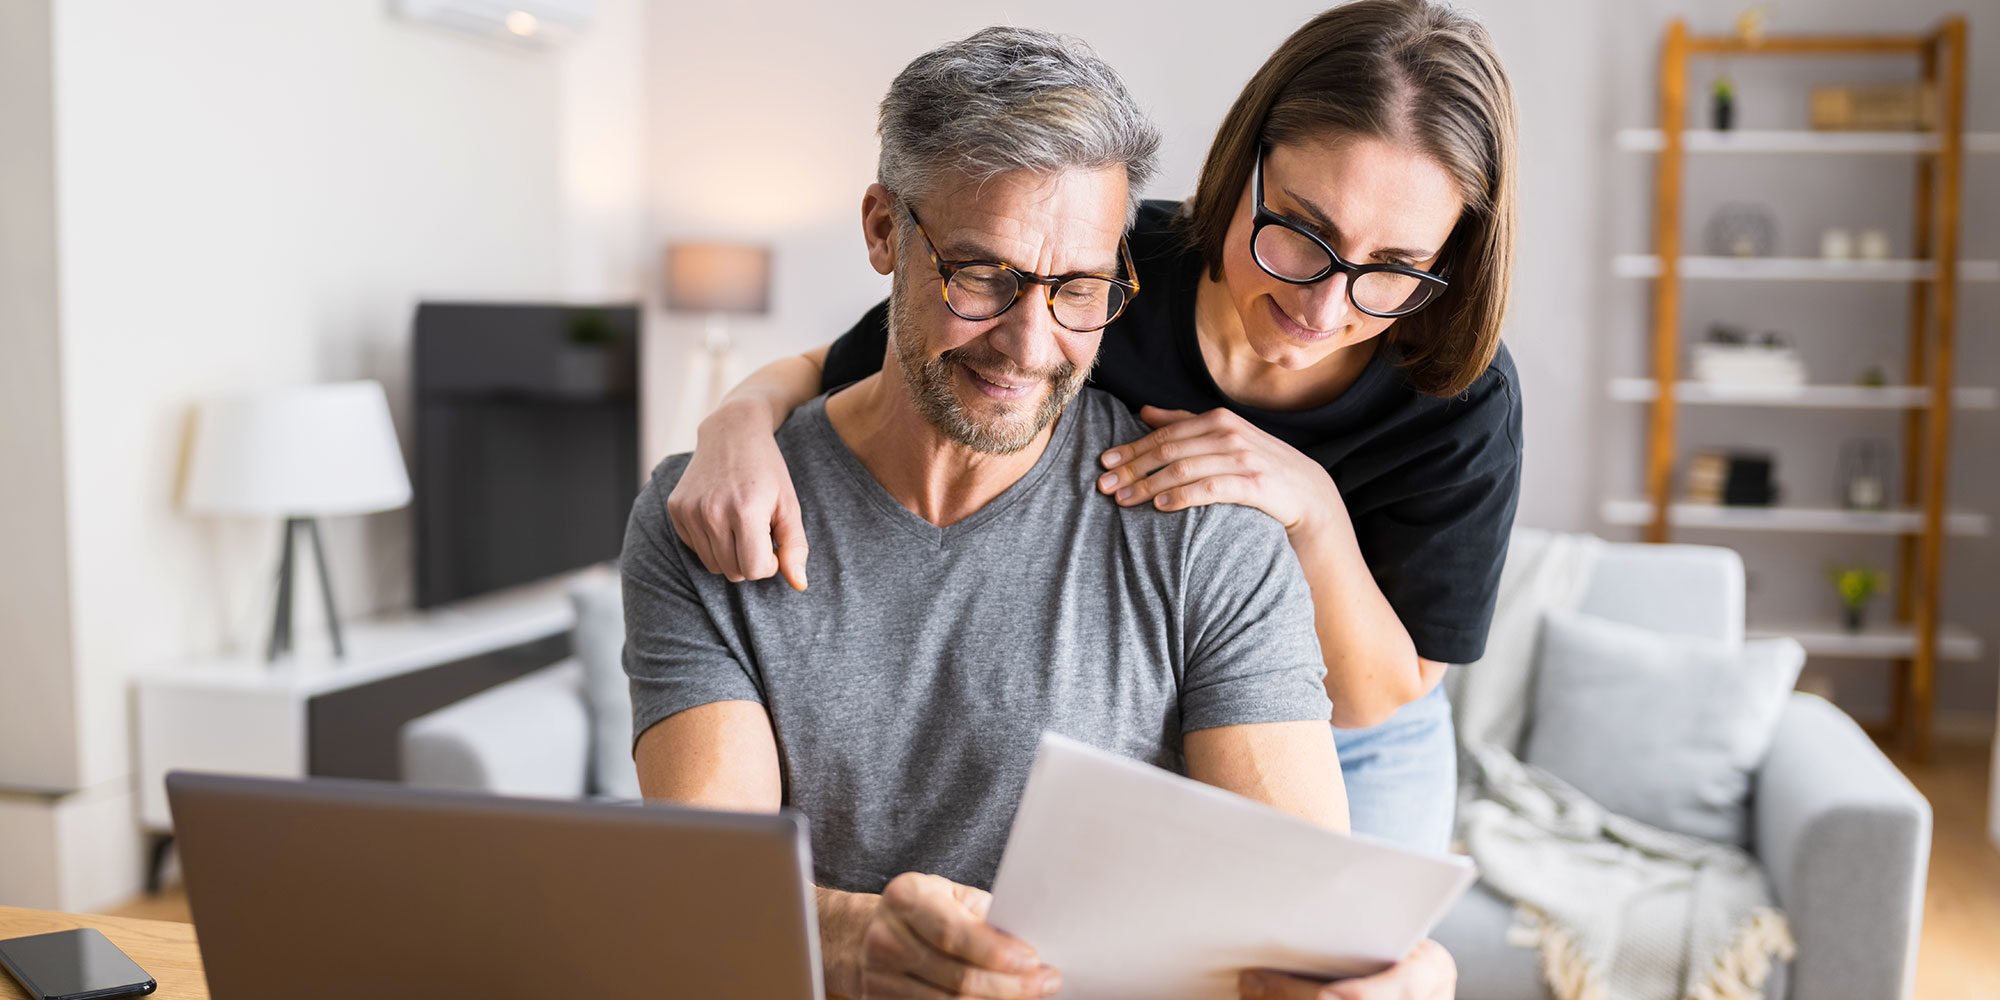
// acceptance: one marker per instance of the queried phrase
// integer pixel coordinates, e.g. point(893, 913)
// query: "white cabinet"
point(312, 714)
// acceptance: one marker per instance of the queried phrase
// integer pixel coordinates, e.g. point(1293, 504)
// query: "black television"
point(527, 441)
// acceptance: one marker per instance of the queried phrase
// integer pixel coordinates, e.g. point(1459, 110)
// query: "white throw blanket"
point(1619, 910)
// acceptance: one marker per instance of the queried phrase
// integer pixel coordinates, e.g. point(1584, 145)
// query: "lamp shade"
point(718, 277)
point(307, 452)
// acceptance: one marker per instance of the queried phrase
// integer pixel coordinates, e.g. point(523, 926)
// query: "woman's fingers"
point(1214, 489)
point(695, 534)
point(1180, 473)
point(1148, 458)
point(789, 529)
point(1182, 425)
point(755, 558)
point(1160, 416)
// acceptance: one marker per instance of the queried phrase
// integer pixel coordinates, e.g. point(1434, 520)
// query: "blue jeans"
point(1402, 776)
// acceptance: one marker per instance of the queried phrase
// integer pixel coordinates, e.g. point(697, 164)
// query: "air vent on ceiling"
point(533, 23)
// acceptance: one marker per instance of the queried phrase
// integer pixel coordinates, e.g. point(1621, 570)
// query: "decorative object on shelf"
point(717, 280)
point(1751, 480)
point(1864, 474)
point(1731, 479)
point(1707, 471)
point(1874, 244)
point(1729, 357)
point(1742, 229)
point(300, 454)
point(1836, 243)
point(1750, 24)
point(588, 364)
point(1875, 107)
point(1722, 104)
point(1873, 376)
point(1856, 585)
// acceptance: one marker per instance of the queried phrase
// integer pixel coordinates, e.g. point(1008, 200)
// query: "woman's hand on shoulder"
point(735, 505)
point(1191, 460)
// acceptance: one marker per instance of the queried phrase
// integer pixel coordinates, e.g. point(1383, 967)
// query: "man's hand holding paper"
point(1140, 883)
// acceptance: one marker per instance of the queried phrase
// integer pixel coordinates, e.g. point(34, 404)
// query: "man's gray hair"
point(1004, 99)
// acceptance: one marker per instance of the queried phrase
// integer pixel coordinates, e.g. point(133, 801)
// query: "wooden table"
point(166, 950)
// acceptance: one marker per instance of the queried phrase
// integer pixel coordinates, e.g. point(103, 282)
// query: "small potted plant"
point(1723, 104)
point(585, 365)
point(1856, 586)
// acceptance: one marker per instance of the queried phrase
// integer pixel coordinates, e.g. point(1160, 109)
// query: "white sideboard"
point(246, 716)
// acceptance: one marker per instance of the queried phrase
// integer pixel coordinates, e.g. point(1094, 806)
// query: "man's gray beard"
point(931, 389)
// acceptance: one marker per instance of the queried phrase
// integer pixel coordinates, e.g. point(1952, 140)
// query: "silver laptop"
point(334, 888)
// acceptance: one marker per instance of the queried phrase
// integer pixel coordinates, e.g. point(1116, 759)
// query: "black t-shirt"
point(1430, 484)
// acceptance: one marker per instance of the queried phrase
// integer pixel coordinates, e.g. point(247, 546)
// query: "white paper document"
point(1135, 882)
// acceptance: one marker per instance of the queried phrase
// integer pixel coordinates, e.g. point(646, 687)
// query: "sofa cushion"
point(599, 642)
point(1489, 966)
point(1666, 729)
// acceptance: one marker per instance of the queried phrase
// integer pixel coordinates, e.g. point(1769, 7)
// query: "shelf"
point(384, 646)
point(1820, 397)
point(1875, 642)
point(1651, 140)
point(1645, 265)
point(1817, 520)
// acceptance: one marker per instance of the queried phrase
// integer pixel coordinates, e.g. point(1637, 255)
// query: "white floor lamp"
point(299, 454)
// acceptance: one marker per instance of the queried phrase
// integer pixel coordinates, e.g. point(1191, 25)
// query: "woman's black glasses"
point(1290, 251)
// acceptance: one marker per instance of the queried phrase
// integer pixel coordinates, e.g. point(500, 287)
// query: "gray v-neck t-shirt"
point(908, 687)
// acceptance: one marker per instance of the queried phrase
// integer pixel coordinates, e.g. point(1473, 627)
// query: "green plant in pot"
point(1856, 585)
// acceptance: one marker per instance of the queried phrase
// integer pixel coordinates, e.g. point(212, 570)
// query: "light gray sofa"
point(1842, 834)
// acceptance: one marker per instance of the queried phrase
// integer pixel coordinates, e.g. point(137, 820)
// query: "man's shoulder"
point(1099, 422)
point(666, 475)
point(1103, 423)
point(801, 435)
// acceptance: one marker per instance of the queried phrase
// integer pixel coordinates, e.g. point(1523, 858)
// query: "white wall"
point(38, 716)
point(602, 77)
point(257, 195)
point(250, 195)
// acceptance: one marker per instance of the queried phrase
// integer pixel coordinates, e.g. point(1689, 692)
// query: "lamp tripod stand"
point(281, 622)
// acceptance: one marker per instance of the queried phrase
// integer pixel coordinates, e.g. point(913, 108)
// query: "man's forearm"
point(1372, 667)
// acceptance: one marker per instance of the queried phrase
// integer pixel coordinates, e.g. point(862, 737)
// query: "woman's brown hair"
point(1412, 72)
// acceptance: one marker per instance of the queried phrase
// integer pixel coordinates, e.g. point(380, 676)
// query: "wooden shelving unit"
point(1918, 639)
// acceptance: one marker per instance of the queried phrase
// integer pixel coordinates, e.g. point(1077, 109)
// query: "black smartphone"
point(73, 965)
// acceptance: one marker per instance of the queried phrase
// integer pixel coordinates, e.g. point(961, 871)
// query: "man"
point(972, 589)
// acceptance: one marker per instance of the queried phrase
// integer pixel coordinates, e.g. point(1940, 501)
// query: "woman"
point(1319, 338)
